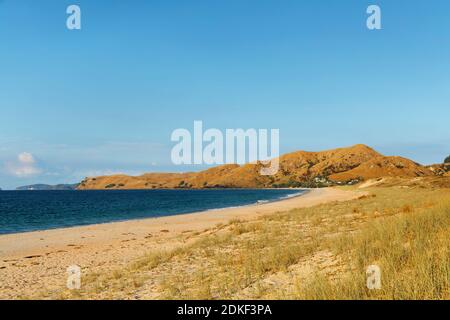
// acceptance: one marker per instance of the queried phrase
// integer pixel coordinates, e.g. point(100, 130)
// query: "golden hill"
point(384, 167)
point(297, 169)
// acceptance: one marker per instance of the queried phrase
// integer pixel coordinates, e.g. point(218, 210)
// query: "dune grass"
point(412, 250)
point(311, 253)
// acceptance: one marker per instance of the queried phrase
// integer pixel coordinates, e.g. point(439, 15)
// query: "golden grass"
point(412, 251)
point(311, 253)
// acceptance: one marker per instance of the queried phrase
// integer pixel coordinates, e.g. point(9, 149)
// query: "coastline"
point(39, 259)
point(296, 193)
point(234, 212)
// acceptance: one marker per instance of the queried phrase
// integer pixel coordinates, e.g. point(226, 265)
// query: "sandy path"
point(35, 261)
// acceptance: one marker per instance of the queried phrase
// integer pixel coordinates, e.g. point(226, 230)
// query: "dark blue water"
point(39, 210)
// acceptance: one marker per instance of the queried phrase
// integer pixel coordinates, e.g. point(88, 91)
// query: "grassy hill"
point(297, 169)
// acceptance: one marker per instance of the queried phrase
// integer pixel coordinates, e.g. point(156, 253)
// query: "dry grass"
point(412, 250)
point(312, 253)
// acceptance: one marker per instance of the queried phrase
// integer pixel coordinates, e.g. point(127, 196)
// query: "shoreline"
point(40, 258)
point(178, 221)
point(293, 195)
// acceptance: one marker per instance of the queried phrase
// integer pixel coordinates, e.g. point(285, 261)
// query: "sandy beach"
point(35, 261)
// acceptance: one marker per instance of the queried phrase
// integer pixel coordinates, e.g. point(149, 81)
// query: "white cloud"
point(26, 158)
point(24, 166)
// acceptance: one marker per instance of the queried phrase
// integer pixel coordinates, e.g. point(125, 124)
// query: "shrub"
point(447, 160)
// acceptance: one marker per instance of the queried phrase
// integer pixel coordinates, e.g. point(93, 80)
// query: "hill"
point(298, 169)
point(384, 167)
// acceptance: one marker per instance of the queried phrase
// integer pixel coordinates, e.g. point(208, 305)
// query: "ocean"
point(22, 211)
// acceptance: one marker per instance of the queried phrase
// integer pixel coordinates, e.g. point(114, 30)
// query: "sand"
point(34, 262)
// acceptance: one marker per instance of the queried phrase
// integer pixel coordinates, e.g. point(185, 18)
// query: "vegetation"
point(320, 252)
point(447, 160)
point(317, 182)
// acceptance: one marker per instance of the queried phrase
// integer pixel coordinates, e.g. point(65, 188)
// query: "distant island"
point(40, 187)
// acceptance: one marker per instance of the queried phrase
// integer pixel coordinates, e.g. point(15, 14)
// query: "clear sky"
point(106, 98)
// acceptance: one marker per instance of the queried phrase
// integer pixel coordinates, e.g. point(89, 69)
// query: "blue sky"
point(106, 98)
